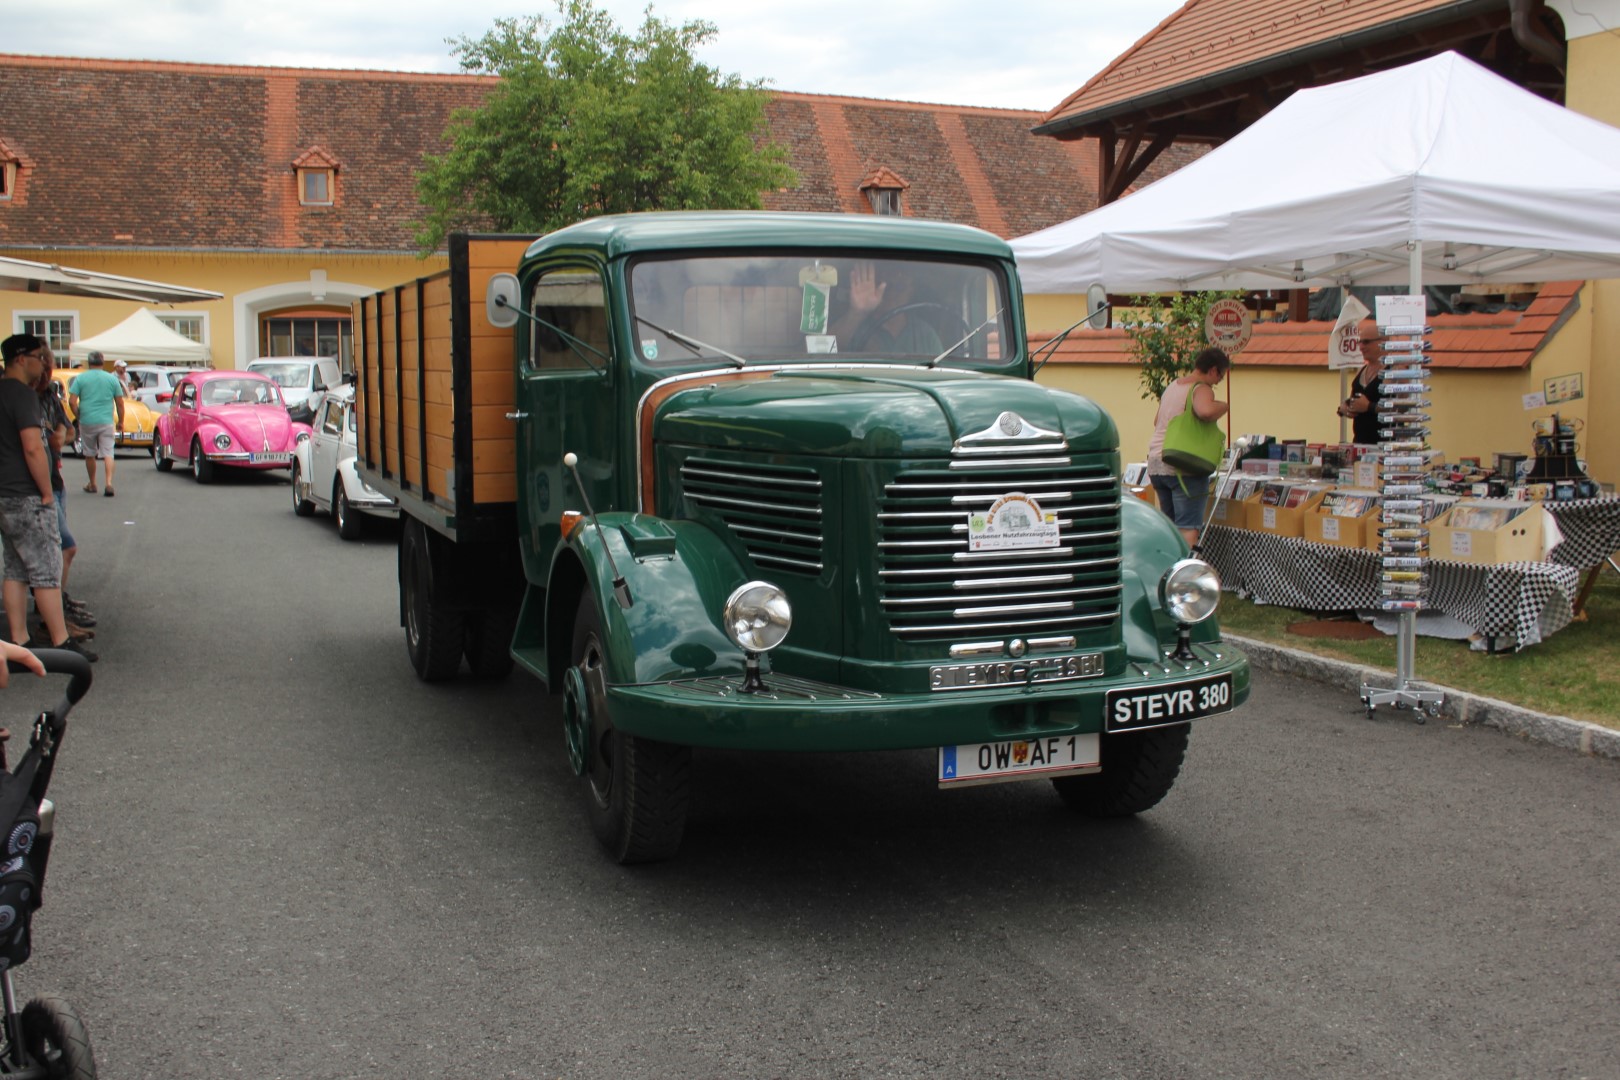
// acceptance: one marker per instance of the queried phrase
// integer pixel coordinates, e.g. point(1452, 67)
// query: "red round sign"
point(1228, 325)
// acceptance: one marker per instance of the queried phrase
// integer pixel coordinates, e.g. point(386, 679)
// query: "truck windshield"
point(798, 306)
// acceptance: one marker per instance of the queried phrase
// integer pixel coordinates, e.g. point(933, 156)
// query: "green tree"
point(589, 120)
point(1169, 337)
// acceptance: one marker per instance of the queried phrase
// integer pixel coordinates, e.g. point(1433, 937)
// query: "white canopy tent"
point(22, 275)
point(1336, 184)
point(142, 339)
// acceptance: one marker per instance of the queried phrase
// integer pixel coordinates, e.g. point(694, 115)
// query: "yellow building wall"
point(251, 283)
point(1593, 89)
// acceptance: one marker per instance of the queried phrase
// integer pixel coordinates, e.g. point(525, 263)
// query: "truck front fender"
point(1152, 545)
point(678, 575)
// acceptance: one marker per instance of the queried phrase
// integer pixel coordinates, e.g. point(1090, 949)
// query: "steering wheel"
point(864, 333)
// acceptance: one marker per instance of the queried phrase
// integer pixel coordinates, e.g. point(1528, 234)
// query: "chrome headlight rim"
point(222, 441)
point(1190, 591)
point(757, 616)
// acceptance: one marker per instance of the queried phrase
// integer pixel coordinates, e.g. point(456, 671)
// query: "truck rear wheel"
point(1138, 769)
point(434, 634)
point(638, 790)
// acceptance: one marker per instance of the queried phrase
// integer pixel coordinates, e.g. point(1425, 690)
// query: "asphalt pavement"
point(279, 855)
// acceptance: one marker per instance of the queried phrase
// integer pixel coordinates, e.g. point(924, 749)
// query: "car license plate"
point(1167, 703)
point(137, 436)
point(269, 459)
point(1018, 759)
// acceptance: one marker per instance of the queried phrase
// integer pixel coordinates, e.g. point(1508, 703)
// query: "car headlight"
point(757, 616)
point(303, 437)
point(222, 441)
point(1190, 591)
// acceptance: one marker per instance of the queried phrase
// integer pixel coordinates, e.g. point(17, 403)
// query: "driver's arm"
point(865, 294)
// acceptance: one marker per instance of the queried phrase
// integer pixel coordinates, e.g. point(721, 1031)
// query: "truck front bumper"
point(798, 714)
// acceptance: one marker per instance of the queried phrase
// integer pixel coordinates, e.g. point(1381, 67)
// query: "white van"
point(304, 380)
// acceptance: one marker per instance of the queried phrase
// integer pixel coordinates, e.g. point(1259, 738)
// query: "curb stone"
point(1461, 707)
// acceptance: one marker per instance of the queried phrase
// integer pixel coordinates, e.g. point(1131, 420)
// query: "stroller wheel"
point(55, 1037)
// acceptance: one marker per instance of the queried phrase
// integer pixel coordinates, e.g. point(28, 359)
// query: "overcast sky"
point(1027, 54)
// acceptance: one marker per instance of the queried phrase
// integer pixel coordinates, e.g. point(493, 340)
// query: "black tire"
point(434, 635)
point(638, 791)
point(489, 643)
point(160, 457)
point(202, 470)
point(56, 1038)
point(303, 506)
point(350, 522)
point(1138, 769)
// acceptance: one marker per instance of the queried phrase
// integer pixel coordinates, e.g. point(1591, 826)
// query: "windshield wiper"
point(965, 339)
point(697, 347)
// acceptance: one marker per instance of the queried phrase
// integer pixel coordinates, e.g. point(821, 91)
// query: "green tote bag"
point(1192, 445)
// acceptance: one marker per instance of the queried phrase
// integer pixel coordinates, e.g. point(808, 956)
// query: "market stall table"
point(1517, 603)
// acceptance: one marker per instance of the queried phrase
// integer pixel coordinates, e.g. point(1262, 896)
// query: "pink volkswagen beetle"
point(235, 418)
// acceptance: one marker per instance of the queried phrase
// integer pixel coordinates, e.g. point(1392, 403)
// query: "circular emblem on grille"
point(1010, 423)
point(1015, 647)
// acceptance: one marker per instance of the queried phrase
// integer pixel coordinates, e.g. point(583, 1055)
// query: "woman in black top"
point(1362, 404)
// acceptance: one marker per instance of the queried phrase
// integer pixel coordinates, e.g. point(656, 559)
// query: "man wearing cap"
point(97, 399)
point(121, 370)
point(32, 542)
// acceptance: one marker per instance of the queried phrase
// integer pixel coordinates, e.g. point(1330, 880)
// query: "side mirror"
point(1097, 306)
point(501, 301)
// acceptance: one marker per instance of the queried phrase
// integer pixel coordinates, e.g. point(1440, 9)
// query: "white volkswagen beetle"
point(324, 476)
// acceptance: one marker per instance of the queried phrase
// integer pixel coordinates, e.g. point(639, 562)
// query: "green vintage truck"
point(780, 482)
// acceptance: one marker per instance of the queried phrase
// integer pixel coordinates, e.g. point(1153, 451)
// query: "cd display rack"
point(1403, 428)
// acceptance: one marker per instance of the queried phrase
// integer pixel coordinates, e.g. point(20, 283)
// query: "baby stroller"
point(46, 1038)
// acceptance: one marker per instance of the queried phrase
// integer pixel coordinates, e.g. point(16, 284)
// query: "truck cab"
point(783, 482)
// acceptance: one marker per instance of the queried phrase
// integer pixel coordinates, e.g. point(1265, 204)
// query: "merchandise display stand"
point(1403, 421)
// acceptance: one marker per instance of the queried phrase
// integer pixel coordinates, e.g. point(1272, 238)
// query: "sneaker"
point(38, 640)
point(76, 611)
point(75, 631)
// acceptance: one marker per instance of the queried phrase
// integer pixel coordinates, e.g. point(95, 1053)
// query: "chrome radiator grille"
point(935, 589)
point(774, 510)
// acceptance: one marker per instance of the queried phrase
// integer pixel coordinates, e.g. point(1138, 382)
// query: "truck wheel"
point(434, 635)
point(638, 790)
point(56, 1038)
point(489, 643)
point(1138, 769)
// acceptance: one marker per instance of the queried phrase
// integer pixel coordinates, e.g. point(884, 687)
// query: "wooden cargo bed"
point(435, 387)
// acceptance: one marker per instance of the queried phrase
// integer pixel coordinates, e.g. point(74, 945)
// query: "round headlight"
point(303, 437)
point(757, 616)
point(1190, 591)
point(222, 441)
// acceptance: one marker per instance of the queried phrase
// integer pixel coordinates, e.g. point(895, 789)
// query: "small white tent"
point(140, 339)
point(1330, 187)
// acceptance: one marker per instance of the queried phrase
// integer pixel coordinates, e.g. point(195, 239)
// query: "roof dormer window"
point(317, 177)
point(11, 166)
point(883, 189)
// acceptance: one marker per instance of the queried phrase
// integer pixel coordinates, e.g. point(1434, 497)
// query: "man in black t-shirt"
point(28, 529)
point(1362, 404)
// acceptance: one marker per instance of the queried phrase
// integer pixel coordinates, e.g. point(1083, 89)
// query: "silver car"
point(304, 381)
point(324, 476)
point(154, 383)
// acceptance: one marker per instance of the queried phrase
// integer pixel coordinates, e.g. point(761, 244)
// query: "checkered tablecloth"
point(1591, 529)
point(1514, 603)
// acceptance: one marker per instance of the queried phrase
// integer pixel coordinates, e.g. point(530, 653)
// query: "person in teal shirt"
point(97, 399)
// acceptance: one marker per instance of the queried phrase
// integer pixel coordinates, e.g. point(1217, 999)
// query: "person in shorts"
point(57, 431)
point(32, 542)
point(1182, 496)
point(97, 399)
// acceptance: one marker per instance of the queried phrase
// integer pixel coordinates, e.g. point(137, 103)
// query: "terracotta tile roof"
point(1506, 339)
point(1206, 44)
point(159, 155)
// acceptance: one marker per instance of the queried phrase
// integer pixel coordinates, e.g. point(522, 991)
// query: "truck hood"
point(869, 413)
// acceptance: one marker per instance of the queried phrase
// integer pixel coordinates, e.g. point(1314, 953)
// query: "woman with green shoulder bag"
point(1185, 436)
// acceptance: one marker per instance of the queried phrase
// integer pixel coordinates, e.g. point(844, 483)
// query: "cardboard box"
point(1323, 526)
point(1286, 518)
point(1489, 531)
point(1230, 505)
